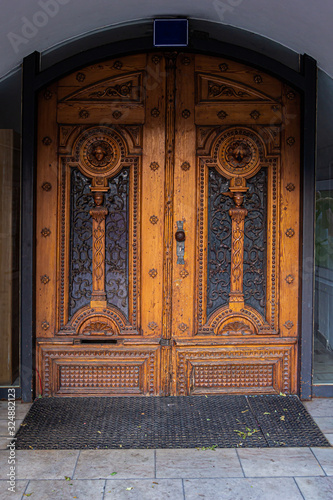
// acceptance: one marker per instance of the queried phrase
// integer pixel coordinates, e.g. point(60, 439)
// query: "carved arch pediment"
point(212, 88)
point(124, 88)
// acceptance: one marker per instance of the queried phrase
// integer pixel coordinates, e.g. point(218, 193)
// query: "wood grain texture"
point(47, 215)
point(152, 200)
point(290, 215)
point(172, 119)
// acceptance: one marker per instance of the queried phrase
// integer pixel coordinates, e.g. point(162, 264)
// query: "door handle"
point(180, 238)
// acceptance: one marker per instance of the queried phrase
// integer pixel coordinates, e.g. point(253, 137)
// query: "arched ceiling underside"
point(303, 26)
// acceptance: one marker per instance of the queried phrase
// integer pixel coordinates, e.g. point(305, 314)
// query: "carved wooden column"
point(238, 213)
point(98, 214)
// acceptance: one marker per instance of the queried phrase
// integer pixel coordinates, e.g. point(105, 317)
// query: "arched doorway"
point(168, 229)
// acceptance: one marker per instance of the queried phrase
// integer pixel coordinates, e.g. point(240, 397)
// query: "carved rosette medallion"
point(223, 67)
point(183, 273)
point(289, 324)
point(152, 325)
point(153, 273)
point(48, 94)
point(45, 232)
point(182, 327)
point(155, 112)
point(185, 166)
point(84, 114)
point(47, 186)
point(153, 219)
point(99, 152)
point(80, 77)
point(222, 114)
point(238, 155)
point(289, 279)
point(290, 232)
point(290, 187)
point(44, 279)
point(156, 59)
point(47, 141)
point(154, 165)
point(117, 65)
point(255, 114)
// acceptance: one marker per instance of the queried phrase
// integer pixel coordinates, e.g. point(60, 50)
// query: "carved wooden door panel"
point(167, 229)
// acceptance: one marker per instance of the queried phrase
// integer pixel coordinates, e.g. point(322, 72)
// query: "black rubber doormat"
point(172, 422)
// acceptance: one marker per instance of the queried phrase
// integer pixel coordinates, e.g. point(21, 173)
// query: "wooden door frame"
point(34, 79)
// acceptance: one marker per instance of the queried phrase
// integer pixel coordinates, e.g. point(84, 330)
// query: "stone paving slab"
point(144, 489)
point(322, 407)
point(315, 488)
point(20, 487)
point(135, 464)
point(242, 489)
point(62, 489)
point(197, 463)
point(325, 457)
point(325, 424)
point(270, 462)
point(40, 464)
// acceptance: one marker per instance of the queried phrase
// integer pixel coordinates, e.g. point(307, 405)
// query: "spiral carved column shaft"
point(98, 214)
point(236, 295)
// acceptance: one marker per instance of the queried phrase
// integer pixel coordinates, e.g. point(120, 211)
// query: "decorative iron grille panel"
point(80, 282)
point(255, 238)
point(116, 247)
point(219, 242)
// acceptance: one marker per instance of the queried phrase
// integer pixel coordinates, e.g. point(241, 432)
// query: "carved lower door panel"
point(167, 229)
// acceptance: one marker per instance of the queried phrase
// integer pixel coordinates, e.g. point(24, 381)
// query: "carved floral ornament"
point(153, 219)
point(45, 232)
point(47, 186)
point(154, 166)
point(45, 279)
point(222, 114)
point(153, 273)
point(47, 141)
point(238, 154)
point(99, 153)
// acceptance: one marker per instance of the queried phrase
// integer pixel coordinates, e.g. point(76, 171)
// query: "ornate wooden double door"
point(167, 252)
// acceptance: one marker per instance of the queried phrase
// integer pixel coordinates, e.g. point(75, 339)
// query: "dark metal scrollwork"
point(219, 242)
point(255, 242)
point(116, 248)
point(80, 283)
